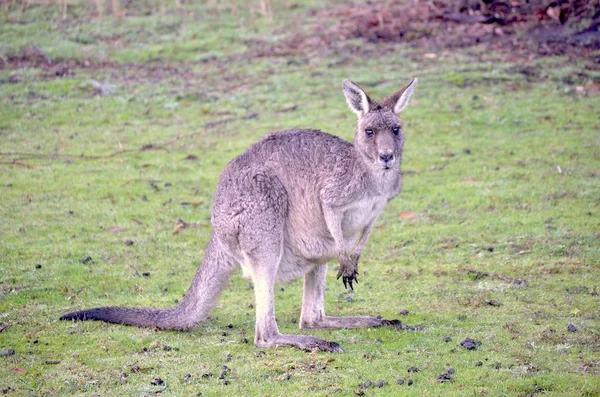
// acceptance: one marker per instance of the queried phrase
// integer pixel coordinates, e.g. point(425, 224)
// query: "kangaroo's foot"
point(329, 322)
point(304, 342)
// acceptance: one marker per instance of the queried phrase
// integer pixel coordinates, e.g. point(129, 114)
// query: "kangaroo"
point(284, 208)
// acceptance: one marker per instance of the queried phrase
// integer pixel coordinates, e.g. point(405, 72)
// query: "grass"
point(501, 178)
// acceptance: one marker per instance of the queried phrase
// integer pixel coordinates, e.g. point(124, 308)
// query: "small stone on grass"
point(470, 344)
point(7, 352)
point(365, 385)
point(157, 381)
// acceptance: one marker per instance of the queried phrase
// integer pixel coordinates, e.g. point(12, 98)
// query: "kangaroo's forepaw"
point(348, 270)
point(349, 280)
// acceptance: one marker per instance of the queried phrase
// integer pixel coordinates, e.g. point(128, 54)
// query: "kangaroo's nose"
point(386, 157)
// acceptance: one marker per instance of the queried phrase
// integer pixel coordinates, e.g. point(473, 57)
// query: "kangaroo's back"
point(295, 152)
point(302, 159)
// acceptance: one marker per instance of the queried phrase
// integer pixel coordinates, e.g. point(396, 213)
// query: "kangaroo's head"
point(379, 137)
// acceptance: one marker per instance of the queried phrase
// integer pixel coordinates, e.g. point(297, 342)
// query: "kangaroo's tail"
point(199, 301)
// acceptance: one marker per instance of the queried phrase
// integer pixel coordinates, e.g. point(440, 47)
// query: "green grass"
point(501, 172)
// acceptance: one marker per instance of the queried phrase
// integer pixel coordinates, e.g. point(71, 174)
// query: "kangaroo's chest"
point(360, 214)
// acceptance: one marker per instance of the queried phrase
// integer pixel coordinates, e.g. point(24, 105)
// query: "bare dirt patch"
point(34, 58)
point(517, 28)
point(539, 26)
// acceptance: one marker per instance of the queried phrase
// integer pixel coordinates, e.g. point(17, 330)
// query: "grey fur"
point(284, 208)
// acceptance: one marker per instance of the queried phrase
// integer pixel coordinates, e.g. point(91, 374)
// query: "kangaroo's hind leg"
point(313, 307)
point(267, 331)
point(260, 219)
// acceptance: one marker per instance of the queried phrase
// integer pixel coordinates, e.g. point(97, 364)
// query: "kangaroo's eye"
point(369, 132)
point(396, 130)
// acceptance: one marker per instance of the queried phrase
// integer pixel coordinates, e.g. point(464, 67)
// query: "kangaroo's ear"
point(357, 99)
point(398, 101)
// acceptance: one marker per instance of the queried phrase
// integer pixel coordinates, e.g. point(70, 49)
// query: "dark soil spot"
point(223, 372)
point(571, 327)
point(52, 362)
point(479, 275)
point(7, 352)
point(470, 344)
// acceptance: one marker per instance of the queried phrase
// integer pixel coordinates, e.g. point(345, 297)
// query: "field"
point(114, 129)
